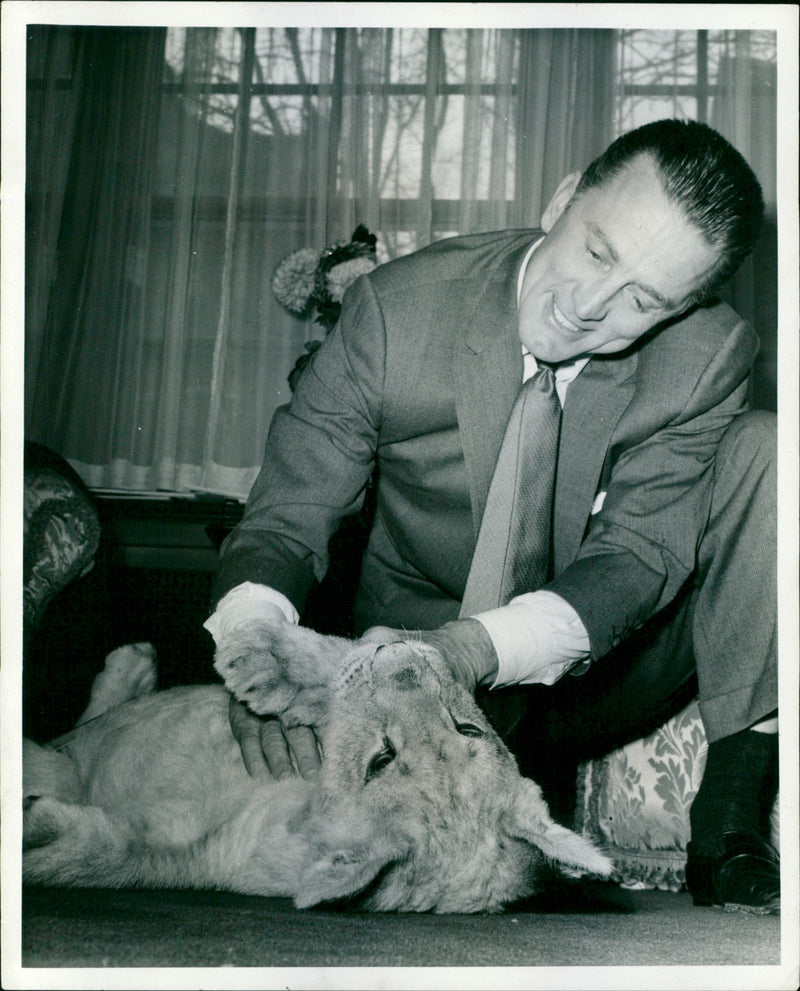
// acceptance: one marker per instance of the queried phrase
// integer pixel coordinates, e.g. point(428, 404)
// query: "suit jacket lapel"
point(488, 375)
point(595, 402)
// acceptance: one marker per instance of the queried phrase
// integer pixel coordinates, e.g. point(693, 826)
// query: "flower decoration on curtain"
point(309, 281)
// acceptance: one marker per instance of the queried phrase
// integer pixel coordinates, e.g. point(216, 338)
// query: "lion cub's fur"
point(419, 806)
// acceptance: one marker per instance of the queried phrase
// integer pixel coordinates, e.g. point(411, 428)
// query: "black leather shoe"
point(745, 877)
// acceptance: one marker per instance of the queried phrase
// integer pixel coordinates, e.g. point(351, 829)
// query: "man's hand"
point(465, 645)
point(270, 750)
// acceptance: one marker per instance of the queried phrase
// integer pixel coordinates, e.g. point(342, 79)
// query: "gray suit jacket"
point(419, 378)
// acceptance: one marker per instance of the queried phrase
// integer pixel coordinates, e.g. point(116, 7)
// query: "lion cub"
point(418, 807)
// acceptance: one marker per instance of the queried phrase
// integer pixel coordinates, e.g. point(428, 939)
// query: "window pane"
point(661, 72)
point(657, 76)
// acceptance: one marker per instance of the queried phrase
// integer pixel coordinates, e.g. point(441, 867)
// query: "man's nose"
point(590, 301)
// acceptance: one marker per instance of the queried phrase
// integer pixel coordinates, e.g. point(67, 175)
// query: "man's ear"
point(559, 201)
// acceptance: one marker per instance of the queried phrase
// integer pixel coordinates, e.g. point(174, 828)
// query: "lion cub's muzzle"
point(400, 671)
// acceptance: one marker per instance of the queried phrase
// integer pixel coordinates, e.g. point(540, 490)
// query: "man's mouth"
point(562, 321)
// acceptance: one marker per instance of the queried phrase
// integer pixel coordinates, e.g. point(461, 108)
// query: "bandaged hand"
point(464, 644)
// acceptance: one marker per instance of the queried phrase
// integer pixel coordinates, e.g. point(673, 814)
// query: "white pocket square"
point(597, 505)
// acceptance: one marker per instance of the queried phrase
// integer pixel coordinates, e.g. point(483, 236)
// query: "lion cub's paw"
point(254, 671)
point(280, 669)
point(40, 825)
point(129, 672)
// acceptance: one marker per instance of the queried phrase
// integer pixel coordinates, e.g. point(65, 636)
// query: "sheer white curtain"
point(50, 129)
point(169, 172)
point(189, 163)
point(90, 153)
point(745, 112)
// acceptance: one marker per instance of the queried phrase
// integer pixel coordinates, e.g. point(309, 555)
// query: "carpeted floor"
point(603, 926)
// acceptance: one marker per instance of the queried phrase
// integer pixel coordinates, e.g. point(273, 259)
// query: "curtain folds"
point(85, 356)
point(169, 172)
point(745, 112)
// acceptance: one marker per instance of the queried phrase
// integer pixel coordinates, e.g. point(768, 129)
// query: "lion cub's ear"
point(529, 819)
point(341, 871)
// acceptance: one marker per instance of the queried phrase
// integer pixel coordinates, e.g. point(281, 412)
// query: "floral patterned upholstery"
point(635, 802)
point(61, 529)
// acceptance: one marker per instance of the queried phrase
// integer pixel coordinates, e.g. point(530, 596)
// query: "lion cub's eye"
point(469, 729)
point(381, 760)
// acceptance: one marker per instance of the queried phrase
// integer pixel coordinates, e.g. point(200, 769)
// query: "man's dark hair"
point(705, 175)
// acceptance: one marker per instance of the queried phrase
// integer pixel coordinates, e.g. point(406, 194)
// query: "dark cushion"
point(61, 529)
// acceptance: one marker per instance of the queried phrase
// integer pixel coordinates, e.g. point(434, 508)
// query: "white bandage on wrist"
point(246, 603)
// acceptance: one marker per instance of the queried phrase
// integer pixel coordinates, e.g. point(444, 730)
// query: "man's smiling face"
point(616, 261)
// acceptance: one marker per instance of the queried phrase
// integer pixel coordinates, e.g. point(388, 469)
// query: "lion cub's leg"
point(129, 672)
point(48, 772)
point(74, 845)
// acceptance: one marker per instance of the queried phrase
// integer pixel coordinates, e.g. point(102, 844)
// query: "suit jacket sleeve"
point(642, 547)
point(318, 459)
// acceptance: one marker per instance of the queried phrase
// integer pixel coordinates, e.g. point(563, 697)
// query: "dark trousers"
point(716, 641)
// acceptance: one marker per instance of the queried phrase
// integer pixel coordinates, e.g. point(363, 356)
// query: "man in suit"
point(662, 578)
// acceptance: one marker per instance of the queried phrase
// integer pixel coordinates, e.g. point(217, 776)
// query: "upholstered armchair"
point(61, 530)
point(635, 802)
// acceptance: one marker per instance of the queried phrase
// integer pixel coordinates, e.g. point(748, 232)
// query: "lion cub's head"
point(420, 792)
point(421, 806)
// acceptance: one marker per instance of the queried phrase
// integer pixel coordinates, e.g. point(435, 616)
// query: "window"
point(398, 107)
point(171, 170)
point(680, 73)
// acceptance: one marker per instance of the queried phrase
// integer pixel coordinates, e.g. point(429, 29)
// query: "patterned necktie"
point(512, 554)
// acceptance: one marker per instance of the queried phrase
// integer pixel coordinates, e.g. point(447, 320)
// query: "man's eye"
point(469, 729)
point(380, 761)
point(641, 305)
point(593, 254)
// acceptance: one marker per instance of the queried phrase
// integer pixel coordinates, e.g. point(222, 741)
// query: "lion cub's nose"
point(400, 666)
point(406, 679)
